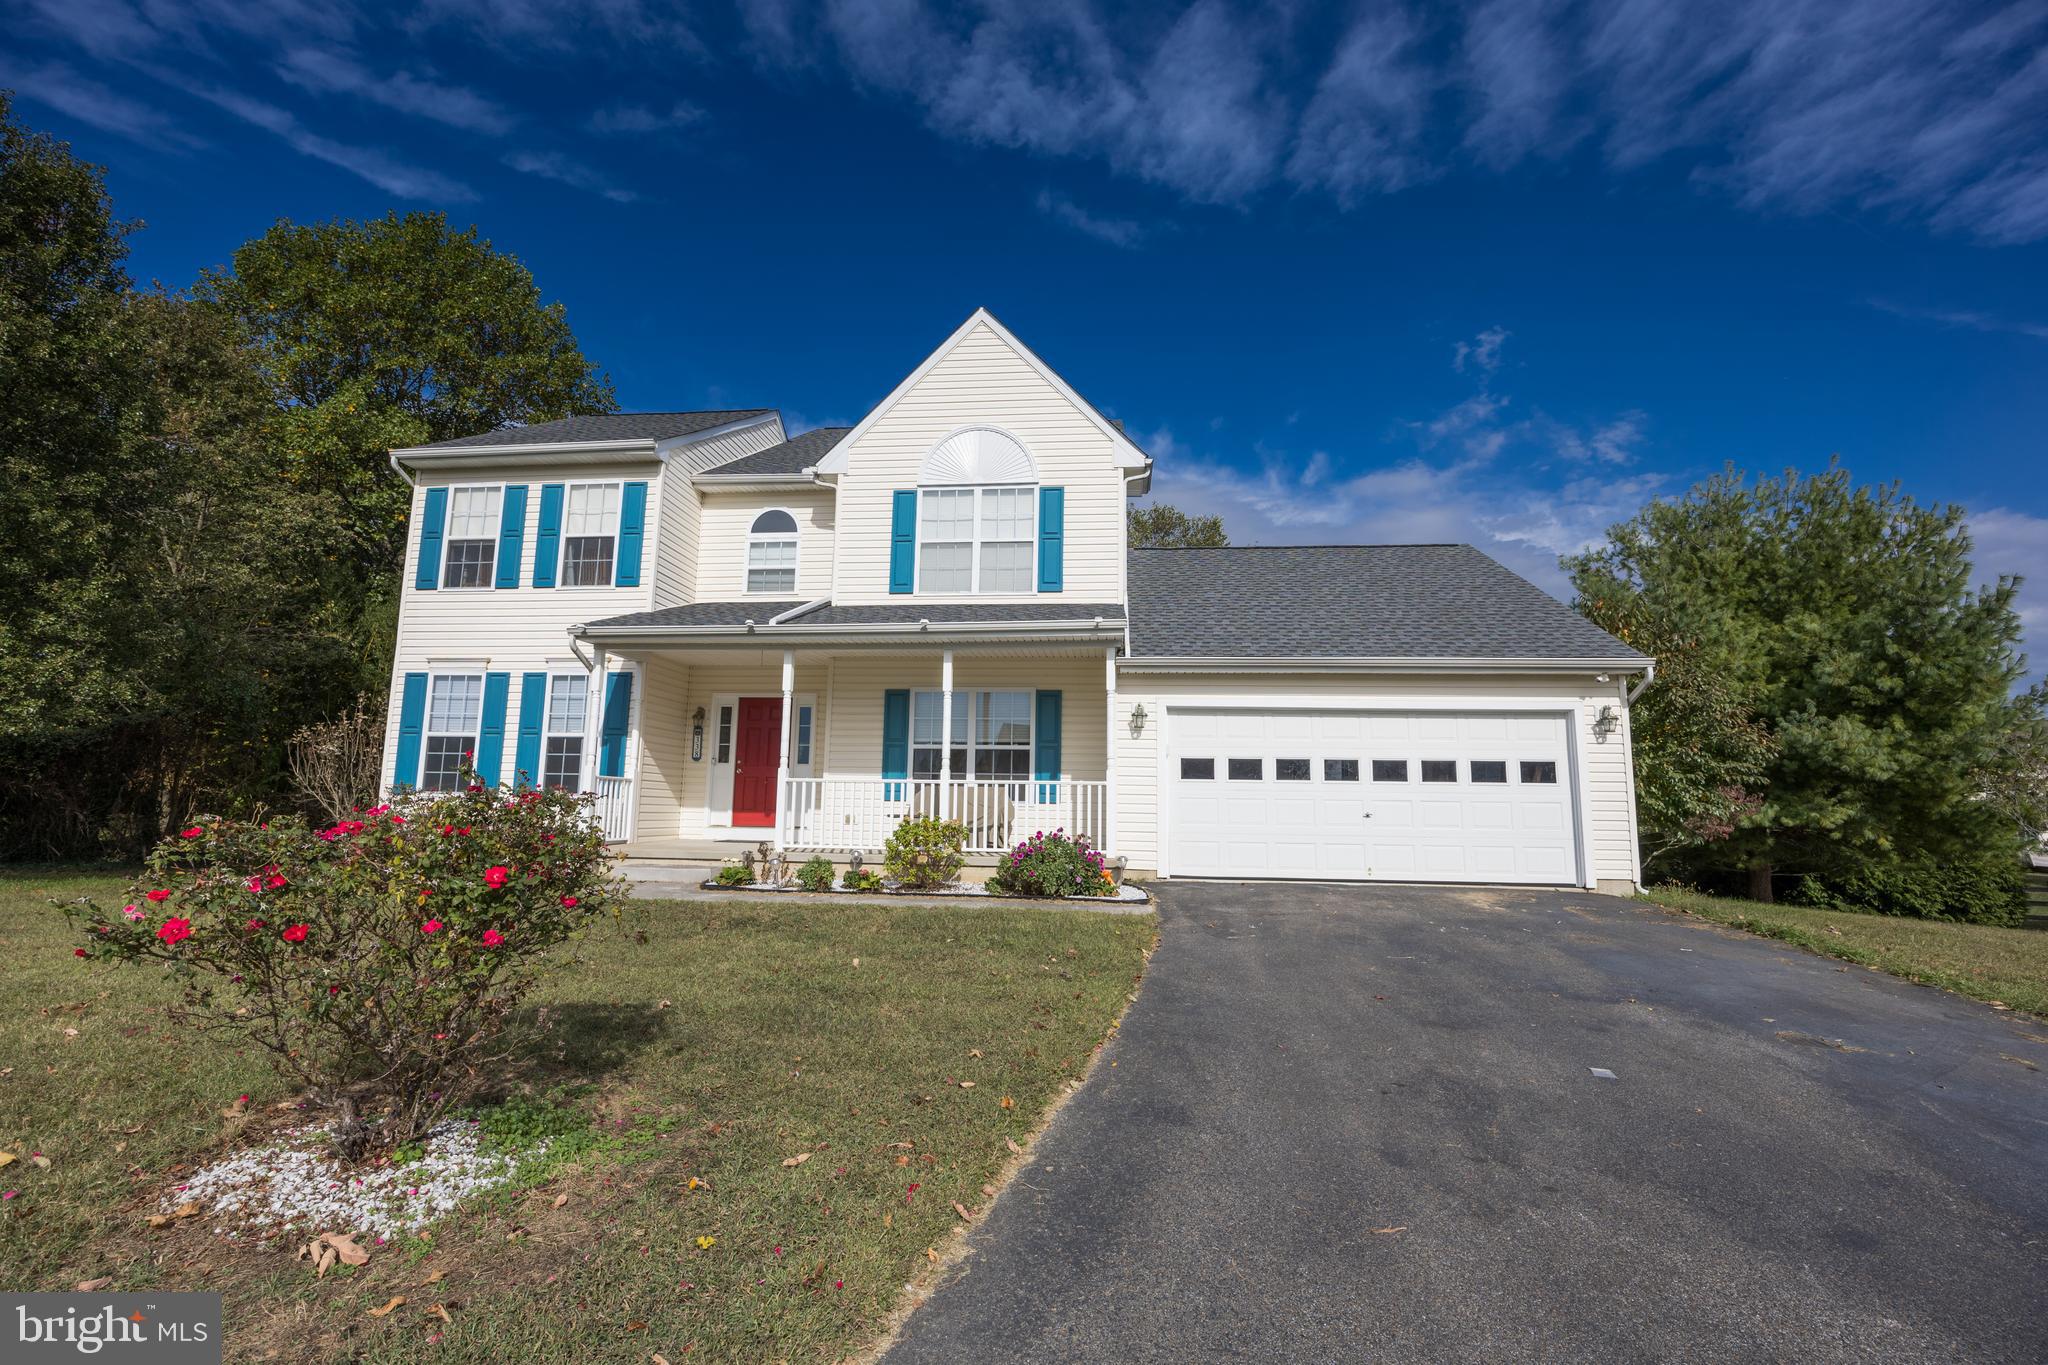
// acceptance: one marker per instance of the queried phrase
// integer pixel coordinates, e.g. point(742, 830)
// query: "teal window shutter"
point(1052, 538)
point(547, 537)
point(533, 703)
point(412, 717)
point(433, 516)
point(618, 709)
point(632, 530)
point(1046, 744)
point(511, 534)
point(490, 739)
point(895, 741)
point(903, 542)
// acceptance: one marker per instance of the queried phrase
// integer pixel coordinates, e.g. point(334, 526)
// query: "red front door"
point(755, 751)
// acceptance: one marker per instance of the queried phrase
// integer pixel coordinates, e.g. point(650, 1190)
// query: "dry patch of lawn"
point(712, 1042)
point(2004, 966)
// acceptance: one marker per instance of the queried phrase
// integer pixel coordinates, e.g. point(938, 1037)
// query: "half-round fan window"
point(771, 553)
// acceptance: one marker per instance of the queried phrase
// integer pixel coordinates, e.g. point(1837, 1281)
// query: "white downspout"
point(1649, 676)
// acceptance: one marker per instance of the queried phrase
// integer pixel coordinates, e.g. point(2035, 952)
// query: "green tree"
point(393, 332)
point(1844, 620)
point(1164, 526)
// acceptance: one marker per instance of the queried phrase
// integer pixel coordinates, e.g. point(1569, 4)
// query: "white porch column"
point(593, 719)
point(946, 734)
point(782, 757)
point(1109, 751)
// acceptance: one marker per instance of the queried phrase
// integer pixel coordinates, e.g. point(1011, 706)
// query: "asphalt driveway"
point(1350, 1123)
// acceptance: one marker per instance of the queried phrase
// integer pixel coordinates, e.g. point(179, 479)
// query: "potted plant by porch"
point(924, 854)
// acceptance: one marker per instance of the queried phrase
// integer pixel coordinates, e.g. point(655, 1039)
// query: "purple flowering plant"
point(1052, 864)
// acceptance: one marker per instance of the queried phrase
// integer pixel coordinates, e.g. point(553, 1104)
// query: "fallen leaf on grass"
point(324, 1251)
point(561, 1199)
point(1384, 1231)
point(1011, 1143)
point(967, 1085)
point(636, 1326)
point(90, 1286)
point(974, 1052)
point(185, 1210)
point(663, 1005)
point(1008, 1103)
point(961, 1209)
point(396, 1301)
point(932, 1254)
point(904, 1146)
point(989, 1190)
point(434, 1276)
point(40, 1162)
point(6, 1158)
point(902, 1161)
point(440, 1311)
point(658, 1359)
point(799, 1159)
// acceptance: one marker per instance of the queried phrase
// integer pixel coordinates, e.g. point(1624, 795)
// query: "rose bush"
point(377, 960)
point(925, 852)
point(1052, 865)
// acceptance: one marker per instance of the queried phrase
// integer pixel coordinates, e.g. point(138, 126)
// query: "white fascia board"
point(535, 450)
point(795, 632)
point(748, 483)
point(675, 443)
point(1128, 455)
point(1311, 664)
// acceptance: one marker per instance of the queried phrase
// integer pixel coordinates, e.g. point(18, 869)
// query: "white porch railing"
point(615, 808)
point(857, 814)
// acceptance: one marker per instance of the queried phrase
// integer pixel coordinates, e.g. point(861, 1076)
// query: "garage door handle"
point(1368, 815)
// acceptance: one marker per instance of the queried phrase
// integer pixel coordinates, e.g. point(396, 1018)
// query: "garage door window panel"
point(1198, 770)
point(1539, 772)
point(1439, 770)
point(1390, 770)
point(1247, 769)
point(1290, 769)
point(1340, 770)
point(1489, 770)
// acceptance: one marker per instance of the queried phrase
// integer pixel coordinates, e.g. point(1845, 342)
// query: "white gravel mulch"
point(297, 1184)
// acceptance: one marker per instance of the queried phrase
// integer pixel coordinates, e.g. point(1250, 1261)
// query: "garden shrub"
point(1052, 865)
point(1986, 888)
point(861, 879)
point(815, 875)
point(925, 852)
point(377, 960)
point(735, 874)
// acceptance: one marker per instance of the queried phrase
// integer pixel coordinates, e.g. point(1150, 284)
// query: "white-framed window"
point(590, 535)
point(455, 706)
point(800, 755)
point(471, 553)
point(724, 754)
point(999, 724)
point(771, 553)
point(561, 761)
point(977, 540)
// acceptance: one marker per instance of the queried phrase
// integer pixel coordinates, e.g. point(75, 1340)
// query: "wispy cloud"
point(1923, 109)
point(1482, 353)
point(2011, 542)
point(1610, 442)
point(330, 71)
point(638, 118)
point(62, 88)
point(1121, 232)
point(381, 169)
point(564, 170)
point(1964, 317)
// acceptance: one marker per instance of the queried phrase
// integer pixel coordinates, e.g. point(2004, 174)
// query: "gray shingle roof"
point(885, 614)
point(1350, 602)
point(793, 456)
point(609, 426)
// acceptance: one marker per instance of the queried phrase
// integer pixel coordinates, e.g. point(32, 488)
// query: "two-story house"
point(735, 636)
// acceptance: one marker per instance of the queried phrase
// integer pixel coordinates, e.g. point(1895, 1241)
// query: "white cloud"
point(1121, 232)
point(329, 71)
point(64, 89)
point(381, 169)
point(1964, 317)
point(2011, 542)
point(1482, 353)
point(638, 118)
point(563, 170)
point(1610, 442)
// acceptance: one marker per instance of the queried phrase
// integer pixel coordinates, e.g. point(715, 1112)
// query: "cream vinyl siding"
point(982, 381)
point(1607, 813)
point(507, 630)
point(674, 556)
point(722, 546)
point(859, 682)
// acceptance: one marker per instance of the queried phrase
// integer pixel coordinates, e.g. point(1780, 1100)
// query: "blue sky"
point(1497, 272)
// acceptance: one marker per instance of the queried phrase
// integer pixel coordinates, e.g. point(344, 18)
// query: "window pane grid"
point(470, 563)
point(593, 510)
point(587, 562)
point(567, 698)
point(563, 764)
point(977, 539)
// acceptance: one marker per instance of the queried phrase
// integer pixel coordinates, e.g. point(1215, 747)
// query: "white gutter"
point(1393, 664)
point(1649, 676)
point(403, 472)
point(643, 445)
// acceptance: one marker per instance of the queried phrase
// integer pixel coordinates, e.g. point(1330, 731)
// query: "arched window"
point(771, 553)
point(977, 515)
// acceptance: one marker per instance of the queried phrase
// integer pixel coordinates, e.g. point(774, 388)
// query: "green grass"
point(2008, 966)
point(772, 1042)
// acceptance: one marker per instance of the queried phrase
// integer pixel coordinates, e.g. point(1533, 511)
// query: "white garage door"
point(1371, 795)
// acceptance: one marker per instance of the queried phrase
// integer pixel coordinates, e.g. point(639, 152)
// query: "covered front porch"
point(828, 749)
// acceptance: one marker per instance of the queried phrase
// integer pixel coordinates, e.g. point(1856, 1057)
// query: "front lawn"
point(2008, 966)
point(736, 1037)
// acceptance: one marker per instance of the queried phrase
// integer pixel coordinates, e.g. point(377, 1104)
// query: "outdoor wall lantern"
point(1608, 721)
point(697, 736)
point(1138, 720)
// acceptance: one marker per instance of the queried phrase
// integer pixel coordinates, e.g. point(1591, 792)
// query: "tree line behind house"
point(203, 539)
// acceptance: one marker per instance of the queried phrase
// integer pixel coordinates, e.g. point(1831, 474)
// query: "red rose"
point(78, 952)
point(497, 876)
point(295, 934)
point(172, 930)
point(274, 880)
point(159, 895)
point(256, 884)
point(432, 926)
point(570, 902)
point(192, 833)
point(492, 938)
